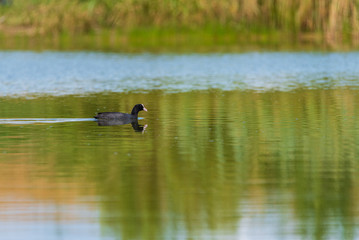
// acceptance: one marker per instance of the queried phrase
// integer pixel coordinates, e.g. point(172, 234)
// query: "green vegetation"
point(228, 21)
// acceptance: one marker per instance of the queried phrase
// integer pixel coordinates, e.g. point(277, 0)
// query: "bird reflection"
point(112, 122)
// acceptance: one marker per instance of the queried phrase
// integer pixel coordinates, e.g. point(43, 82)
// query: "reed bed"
point(333, 19)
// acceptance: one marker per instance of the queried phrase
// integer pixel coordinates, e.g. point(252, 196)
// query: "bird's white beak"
point(144, 109)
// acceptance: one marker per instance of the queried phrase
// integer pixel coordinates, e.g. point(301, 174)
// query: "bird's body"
point(121, 116)
point(114, 115)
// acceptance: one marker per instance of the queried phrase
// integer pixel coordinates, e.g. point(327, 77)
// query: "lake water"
point(233, 146)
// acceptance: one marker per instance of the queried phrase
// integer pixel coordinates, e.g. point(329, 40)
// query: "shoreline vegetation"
point(179, 25)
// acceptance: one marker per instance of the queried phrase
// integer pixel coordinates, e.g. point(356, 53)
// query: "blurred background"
point(169, 25)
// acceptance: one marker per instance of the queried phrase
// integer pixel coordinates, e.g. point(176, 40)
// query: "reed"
point(330, 18)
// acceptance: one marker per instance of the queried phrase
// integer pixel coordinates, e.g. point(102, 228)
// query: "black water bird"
point(113, 122)
point(124, 117)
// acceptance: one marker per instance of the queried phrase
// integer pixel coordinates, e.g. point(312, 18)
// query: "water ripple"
point(21, 121)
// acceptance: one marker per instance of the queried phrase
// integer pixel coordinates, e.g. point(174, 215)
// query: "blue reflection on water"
point(58, 73)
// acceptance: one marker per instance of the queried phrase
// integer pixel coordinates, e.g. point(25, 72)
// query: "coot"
point(119, 115)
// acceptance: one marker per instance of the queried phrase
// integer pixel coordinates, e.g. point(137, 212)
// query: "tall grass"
point(334, 19)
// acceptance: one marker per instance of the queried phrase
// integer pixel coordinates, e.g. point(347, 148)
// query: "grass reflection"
point(208, 163)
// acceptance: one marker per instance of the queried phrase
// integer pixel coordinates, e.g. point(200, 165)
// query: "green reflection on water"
point(210, 163)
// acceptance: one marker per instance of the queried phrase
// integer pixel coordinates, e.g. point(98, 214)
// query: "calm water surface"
point(238, 146)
